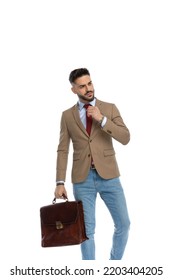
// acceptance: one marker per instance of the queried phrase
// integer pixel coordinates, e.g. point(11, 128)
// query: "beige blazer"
point(98, 144)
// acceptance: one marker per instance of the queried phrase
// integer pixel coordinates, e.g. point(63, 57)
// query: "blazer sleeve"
point(116, 127)
point(62, 151)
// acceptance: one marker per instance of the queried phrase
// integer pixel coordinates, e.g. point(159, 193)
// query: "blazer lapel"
point(99, 104)
point(78, 120)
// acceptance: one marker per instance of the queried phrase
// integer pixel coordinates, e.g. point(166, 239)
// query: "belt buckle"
point(93, 166)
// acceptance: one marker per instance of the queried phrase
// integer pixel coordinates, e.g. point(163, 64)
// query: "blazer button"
point(88, 155)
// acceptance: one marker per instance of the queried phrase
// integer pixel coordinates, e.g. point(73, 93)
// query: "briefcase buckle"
point(59, 225)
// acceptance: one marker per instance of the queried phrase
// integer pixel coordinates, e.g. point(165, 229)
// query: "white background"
point(127, 46)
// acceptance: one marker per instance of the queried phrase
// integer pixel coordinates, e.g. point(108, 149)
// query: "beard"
point(86, 97)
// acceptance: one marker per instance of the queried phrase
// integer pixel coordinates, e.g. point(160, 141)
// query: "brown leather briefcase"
point(62, 224)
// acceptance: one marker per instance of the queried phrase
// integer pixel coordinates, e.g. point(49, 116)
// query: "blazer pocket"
point(109, 152)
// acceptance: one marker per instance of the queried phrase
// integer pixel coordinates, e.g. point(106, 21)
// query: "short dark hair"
point(77, 73)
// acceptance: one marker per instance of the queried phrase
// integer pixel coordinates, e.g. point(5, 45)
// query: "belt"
point(92, 166)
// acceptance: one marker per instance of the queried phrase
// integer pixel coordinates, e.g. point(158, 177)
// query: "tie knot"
point(86, 106)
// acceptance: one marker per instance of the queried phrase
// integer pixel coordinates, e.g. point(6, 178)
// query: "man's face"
point(83, 87)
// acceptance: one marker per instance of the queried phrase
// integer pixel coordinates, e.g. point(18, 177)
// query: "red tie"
point(88, 120)
point(88, 125)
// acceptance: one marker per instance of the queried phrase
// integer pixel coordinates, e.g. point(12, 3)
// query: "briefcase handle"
point(54, 200)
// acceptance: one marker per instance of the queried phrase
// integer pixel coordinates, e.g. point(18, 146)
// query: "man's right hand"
point(60, 192)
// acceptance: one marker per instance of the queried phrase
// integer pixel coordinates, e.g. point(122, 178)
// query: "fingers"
point(60, 192)
point(94, 112)
point(60, 195)
point(93, 109)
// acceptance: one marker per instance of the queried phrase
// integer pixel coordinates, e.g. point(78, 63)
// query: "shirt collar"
point(81, 104)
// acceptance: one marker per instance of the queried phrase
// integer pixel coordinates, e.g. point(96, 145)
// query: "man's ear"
point(73, 90)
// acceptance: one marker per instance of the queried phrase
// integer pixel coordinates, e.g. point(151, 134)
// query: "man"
point(94, 168)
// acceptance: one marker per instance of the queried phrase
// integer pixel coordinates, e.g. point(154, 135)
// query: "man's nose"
point(87, 88)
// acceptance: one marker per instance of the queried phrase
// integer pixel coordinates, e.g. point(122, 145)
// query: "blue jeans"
point(112, 194)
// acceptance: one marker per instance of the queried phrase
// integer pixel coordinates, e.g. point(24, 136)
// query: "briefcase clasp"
point(59, 225)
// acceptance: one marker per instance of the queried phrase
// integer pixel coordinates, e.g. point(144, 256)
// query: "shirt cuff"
point(103, 121)
point(58, 182)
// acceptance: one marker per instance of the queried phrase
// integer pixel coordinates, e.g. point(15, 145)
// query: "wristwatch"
point(100, 121)
point(59, 183)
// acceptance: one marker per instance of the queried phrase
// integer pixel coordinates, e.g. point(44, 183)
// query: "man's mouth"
point(89, 94)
